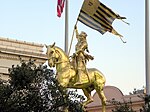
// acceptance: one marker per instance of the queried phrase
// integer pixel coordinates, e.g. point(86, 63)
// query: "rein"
point(55, 60)
point(59, 61)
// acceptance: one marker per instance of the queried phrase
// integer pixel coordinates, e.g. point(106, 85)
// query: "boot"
point(80, 82)
point(79, 79)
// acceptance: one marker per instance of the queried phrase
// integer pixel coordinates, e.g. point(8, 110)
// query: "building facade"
point(113, 93)
point(13, 51)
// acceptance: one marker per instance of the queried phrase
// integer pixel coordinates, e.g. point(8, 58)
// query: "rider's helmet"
point(83, 34)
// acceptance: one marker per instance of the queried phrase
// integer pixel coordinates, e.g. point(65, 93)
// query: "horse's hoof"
point(83, 108)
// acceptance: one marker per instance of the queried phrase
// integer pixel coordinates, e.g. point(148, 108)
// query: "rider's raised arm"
point(76, 30)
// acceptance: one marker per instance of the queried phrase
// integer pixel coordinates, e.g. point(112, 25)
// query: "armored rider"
point(81, 57)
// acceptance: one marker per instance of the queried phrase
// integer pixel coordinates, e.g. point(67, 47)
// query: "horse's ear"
point(53, 44)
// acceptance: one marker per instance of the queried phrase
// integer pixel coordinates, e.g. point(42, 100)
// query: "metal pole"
point(66, 27)
point(72, 38)
point(147, 52)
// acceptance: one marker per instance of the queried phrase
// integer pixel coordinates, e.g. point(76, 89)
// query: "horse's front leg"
point(89, 97)
point(63, 79)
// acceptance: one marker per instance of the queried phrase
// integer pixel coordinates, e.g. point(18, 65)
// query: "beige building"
point(11, 51)
point(112, 92)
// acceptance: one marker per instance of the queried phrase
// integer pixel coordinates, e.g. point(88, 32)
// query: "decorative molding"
point(13, 51)
point(18, 57)
point(20, 42)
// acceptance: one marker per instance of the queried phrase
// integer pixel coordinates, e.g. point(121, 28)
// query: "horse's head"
point(52, 55)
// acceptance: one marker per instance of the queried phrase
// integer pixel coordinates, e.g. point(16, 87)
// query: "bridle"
point(58, 62)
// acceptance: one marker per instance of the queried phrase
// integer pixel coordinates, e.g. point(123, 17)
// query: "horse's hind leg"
point(89, 97)
point(101, 95)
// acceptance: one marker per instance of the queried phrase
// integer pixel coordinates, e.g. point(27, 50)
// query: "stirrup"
point(78, 83)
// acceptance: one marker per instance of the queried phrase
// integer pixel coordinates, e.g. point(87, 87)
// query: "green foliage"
point(147, 103)
point(146, 107)
point(121, 107)
point(35, 89)
point(127, 106)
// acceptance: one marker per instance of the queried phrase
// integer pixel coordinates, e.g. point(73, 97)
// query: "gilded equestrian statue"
point(66, 75)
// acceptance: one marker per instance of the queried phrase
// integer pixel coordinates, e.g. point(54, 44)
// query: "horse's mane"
point(59, 49)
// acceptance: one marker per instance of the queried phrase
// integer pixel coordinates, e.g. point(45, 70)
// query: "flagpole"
point(147, 50)
point(73, 32)
point(66, 27)
point(72, 38)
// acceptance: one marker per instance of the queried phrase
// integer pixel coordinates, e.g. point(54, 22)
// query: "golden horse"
point(66, 75)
